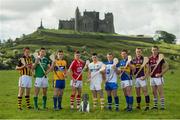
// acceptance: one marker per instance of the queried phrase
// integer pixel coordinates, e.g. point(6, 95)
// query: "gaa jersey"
point(137, 62)
point(127, 74)
point(111, 75)
point(77, 67)
point(94, 68)
point(39, 72)
point(59, 69)
point(25, 61)
point(152, 63)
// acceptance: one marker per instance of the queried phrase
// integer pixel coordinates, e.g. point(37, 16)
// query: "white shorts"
point(140, 83)
point(95, 86)
point(25, 81)
point(41, 82)
point(126, 83)
point(156, 81)
point(76, 84)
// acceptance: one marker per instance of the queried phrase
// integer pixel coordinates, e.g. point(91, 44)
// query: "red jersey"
point(152, 63)
point(77, 67)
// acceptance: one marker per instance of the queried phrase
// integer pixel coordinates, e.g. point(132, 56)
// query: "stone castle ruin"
point(89, 22)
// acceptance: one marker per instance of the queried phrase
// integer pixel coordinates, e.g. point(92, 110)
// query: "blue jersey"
point(127, 74)
point(111, 75)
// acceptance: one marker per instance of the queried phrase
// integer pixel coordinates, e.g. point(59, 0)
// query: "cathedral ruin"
point(89, 22)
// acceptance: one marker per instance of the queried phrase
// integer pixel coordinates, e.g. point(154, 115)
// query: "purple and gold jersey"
point(137, 62)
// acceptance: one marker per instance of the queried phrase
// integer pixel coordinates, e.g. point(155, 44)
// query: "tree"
point(165, 36)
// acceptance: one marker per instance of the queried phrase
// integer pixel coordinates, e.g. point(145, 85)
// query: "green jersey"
point(38, 70)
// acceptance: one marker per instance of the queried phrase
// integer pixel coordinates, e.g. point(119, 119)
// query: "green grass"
point(9, 90)
point(9, 79)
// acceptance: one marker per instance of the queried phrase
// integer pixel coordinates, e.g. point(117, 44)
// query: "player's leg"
point(138, 97)
point(73, 94)
point(20, 94)
point(130, 97)
point(55, 85)
point(138, 93)
point(36, 93)
point(126, 98)
point(155, 94)
point(37, 86)
point(44, 91)
point(109, 97)
point(161, 94)
point(44, 98)
point(116, 99)
point(101, 94)
point(147, 98)
point(78, 97)
point(60, 95)
point(125, 94)
point(28, 86)
point(55, 98)
point(27, 96)
point(94, 93)
point(24, 82)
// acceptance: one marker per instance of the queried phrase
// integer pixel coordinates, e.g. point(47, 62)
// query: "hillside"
point(101, 43)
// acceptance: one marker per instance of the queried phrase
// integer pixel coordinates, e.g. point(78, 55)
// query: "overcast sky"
point(130, 16)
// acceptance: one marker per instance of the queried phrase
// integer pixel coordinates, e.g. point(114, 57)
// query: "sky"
point(131, 17)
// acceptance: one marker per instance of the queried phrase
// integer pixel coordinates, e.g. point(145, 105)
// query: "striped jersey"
point(137, 62)
point(25, 61)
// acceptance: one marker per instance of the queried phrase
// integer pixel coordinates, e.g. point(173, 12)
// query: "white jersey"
point(111, 75)
point(96, 76)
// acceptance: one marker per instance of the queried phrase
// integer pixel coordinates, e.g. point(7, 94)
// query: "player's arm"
point(89, 75)
point(69, 71)
point(102, 69)
point(36, 61)
point(50, 68)
point(149, 68)
point(103, 72)
point(118, 69)
point(132, 66)
point(146, 71)
point(19, 68)
point(165, 68)
point(20, 65)
point(65, 70)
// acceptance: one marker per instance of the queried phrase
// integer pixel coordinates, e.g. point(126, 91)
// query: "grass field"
point(9, 90)
point(9, 79)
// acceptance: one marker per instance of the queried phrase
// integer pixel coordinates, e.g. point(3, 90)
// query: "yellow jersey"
point(59, 69)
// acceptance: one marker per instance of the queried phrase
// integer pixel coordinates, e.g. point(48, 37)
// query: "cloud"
point(130, 16)
point(24, 5)
point(19, 9)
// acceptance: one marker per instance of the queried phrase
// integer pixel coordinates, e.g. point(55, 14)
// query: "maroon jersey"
point(137, 62)
point(77, 67)
point(152, 63)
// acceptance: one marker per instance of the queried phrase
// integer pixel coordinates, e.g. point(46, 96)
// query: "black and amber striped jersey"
point(25, 61)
